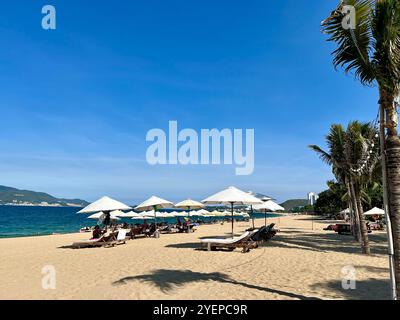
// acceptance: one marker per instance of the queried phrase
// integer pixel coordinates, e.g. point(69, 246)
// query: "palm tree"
point(337, 159)
point(372, 51)
point(353, 160)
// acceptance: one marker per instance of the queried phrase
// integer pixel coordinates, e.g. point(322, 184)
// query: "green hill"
point(13, 196)
point(293, 203)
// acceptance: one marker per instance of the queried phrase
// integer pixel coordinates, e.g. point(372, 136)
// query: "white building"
point(312, 198)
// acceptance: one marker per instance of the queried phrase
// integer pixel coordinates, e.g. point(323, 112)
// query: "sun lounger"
point(151, 231)
point(244, 241)
point(104, 241)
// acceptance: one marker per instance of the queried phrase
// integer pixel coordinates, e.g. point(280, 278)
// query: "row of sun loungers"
point(119, 237)
point(248, 240)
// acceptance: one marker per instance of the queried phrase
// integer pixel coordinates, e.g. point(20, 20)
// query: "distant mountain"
point(293, 203)
point(13, 196)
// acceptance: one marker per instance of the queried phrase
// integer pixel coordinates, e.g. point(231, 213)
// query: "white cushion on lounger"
point(121, 234)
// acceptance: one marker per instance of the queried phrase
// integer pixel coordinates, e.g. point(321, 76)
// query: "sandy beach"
point(301, 262)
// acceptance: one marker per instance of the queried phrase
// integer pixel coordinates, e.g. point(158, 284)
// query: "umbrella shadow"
point(66, 247)
point(169, 280)
point(187, 245)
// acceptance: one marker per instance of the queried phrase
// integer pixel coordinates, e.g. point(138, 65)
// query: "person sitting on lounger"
point(97, 233)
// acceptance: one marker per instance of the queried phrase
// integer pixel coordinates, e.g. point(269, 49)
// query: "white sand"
point(299, 263)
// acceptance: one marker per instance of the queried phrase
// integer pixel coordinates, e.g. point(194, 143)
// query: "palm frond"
point(354, 45)
point(323, 155)
point(386, 57)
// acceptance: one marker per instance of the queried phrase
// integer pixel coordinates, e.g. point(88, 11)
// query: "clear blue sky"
point(76, 103)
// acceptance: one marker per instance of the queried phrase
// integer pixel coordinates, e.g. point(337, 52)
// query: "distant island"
point(294, 203)
point(15, 197)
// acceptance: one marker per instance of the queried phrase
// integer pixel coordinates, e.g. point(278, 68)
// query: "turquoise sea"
point(20, 221)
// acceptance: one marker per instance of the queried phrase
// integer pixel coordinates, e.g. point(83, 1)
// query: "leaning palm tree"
point(352, 155)
point(369, 46)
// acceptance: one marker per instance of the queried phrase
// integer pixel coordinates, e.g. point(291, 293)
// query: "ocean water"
point(20, 221)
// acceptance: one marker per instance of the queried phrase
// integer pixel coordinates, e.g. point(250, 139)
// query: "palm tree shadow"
point(168, 280)
point(371, 289)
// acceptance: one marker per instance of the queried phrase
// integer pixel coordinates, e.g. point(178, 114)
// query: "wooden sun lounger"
point(104, 241)
point(244, 241)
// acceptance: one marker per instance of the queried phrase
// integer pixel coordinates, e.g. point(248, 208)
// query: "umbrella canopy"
point(101, 215)
point(203, 212)
point(144, 215)
point(164, 215)
point(375, 211)
point(118, 213)
point(130, 214)
point(260, 196)
point(345, 211)
point(190, 204)
point(179, 214)
point(104, 204)
point(195, 213)
point(268, 205)
point(154, 203)
point(232, 196)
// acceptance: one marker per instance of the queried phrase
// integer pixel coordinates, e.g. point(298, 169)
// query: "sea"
point(23, 221)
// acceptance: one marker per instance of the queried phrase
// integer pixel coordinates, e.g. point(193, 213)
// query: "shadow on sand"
point(326, 242)
point(168, 280)
point(375, 289)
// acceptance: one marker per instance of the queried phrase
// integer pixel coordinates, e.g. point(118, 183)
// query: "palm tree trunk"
point(355, 210)
point(393, 181)
point(392, 155)
point(353, 222)
point(363, 227)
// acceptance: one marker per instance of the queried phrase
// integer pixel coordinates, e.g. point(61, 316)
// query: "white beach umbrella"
point(144, 215)
point(117, 213)
point(232, 196)
point(345, 211)
point(203, 212)
point(104, 204)
point(180, 214)
point(164, 214)
point(154, 203)
point(375, 212)
point(129, 214)
point(194, 213)
point(260, 196)
point(268, 206)
point(101, 216)
point(189, 204)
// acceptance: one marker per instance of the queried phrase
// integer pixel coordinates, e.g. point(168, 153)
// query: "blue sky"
point(76, 102)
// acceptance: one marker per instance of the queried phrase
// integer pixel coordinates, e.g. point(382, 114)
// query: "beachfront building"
point(312, 198)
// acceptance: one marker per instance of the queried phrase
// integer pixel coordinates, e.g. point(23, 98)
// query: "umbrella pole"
point(252, 216)
point(265, 217)
point(155, 215)
point(232, 217)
